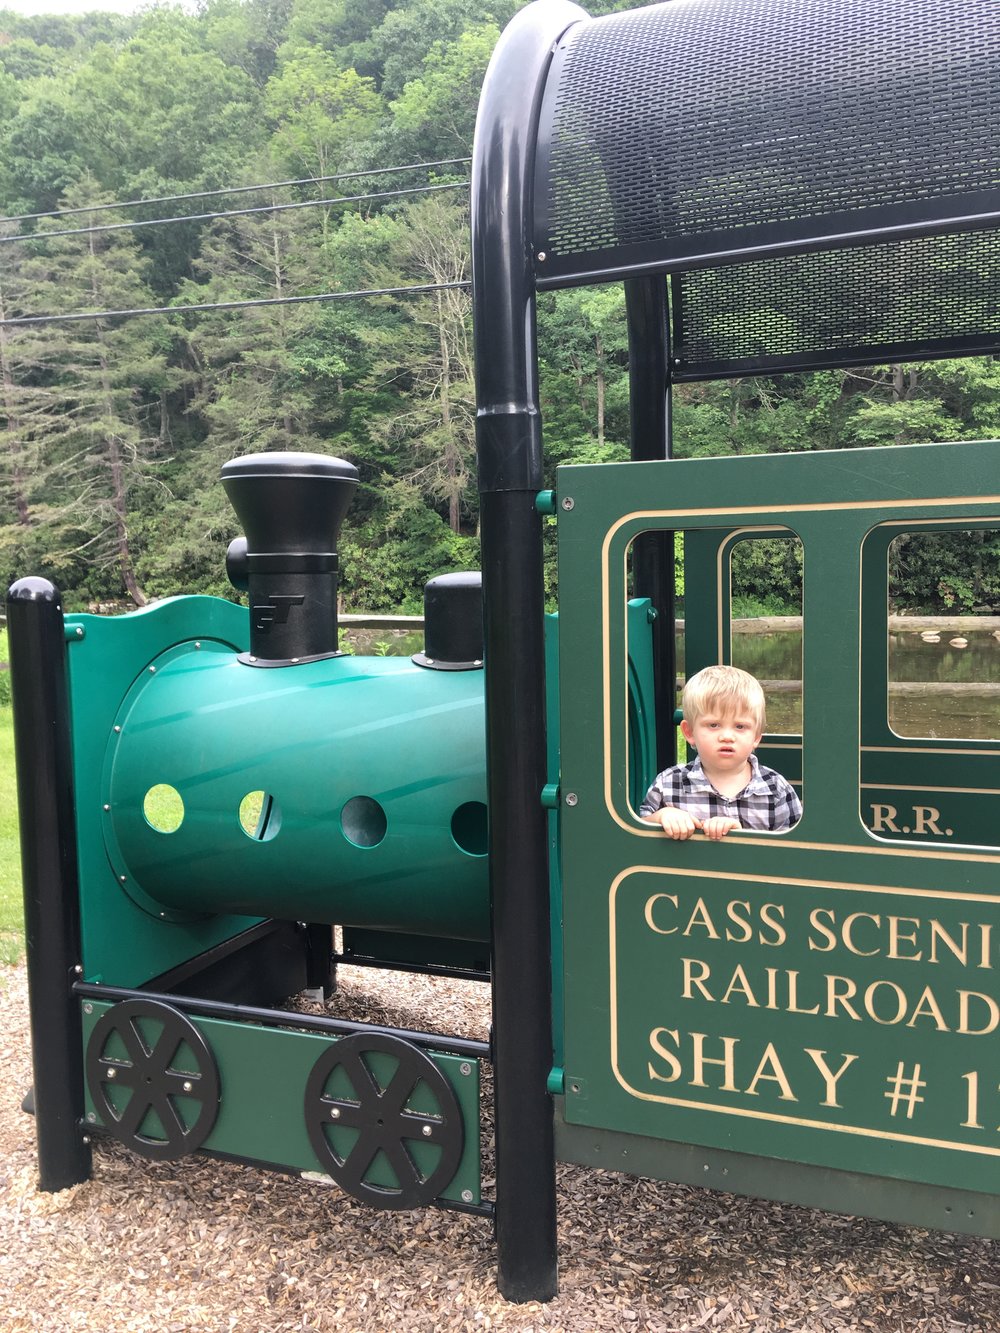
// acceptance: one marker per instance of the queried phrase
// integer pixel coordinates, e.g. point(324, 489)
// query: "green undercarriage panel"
point(263, 1073)
point(764, 1178)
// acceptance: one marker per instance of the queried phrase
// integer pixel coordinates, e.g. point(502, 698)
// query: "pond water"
point(964, 714)
point(777, 656)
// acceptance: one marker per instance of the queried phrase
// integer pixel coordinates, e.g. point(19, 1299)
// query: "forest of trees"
point(112, 431)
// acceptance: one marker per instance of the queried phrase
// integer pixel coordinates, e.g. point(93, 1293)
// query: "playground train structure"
point(207, 789)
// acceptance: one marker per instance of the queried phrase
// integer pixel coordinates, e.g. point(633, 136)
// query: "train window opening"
point(765, 623)
point(943, 634)
point(163, 808)
point(363, 821)
point(259, 816)
point(738, 602)
point(469, 828)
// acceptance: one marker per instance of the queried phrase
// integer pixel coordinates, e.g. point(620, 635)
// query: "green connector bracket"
point(555, 1084)
point(550, 796)
point(73, 632)
point(545, 502)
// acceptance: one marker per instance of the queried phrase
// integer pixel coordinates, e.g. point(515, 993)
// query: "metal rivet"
point(334, 1112)
point(430, 661)
point(88, 1008)
point(79, 631)
point(542, 256)
point(465, 1068)
point(478, 662)
point(117, 728)
point(122, 879)
point(569, 502)
point(295, 659)
point(78, 969)
point(251, 659)
point(188, 1086)
point(107, 807)
point(151, 670)
point(571, 798)
point(197, 644)
point(427, 1131)
point(112, 1073)
point(91, 1117)
point(85, 1139)
point(467, 1196)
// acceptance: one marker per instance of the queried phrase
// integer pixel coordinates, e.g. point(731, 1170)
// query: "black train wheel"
point(369, 1122)
point(167, 1071)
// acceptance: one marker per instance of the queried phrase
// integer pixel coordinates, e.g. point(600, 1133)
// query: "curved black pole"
point(49, 867)
point(653, 552)
point(508, 429)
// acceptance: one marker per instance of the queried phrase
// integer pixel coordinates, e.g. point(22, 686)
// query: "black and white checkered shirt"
point(766, 802)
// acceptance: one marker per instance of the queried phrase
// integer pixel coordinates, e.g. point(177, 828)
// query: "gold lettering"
point(740, 986)
point(657, 897)
point(772, 987)
point(896, 936)
point(870, 993)
point(882, 818)
point(743, 922)
point(793, 996)
point(780, 934)
point(926, 817)
point(846, 933)
point(691, 980)
point(701, 1060)
point(671, 1059)
point(700, 917)
point(964, 996)
point(985, 941)
point(927, 1007)
point(829, 1078)
point(972, 1110)
point(770, 1059)
point(825, 931)
point(835, 995)
point(961, 951)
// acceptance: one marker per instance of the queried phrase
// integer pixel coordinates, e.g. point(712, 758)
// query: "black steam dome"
point(453, 622)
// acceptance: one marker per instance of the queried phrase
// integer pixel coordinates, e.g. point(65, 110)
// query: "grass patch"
point(11, 908)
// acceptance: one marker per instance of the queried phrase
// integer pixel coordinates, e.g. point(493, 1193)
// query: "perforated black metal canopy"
point(835, 163)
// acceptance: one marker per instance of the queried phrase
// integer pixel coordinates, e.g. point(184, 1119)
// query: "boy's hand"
point(677, 823)
point(718, 826)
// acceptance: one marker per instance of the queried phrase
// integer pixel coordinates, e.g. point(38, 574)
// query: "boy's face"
point(724, 741)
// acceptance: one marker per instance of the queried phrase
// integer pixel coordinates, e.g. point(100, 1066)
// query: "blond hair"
point(725, 690)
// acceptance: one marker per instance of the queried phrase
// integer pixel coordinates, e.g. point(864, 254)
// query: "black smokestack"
point(291, 507)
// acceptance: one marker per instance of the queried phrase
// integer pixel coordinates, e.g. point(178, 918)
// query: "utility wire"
point(231, 213)
point(235, 189)
point(235, 305)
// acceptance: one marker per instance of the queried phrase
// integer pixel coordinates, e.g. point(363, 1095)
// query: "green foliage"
point(111, 435)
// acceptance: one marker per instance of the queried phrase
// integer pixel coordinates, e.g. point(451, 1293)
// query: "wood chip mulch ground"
point(205, 1245)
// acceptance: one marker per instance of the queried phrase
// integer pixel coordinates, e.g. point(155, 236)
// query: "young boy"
point(724, 788)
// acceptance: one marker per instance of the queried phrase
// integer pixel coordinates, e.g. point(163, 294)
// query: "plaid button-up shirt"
point(766, 802)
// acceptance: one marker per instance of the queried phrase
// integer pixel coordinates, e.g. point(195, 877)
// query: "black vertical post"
point(653, 552)
point(509, 442)
point(42, 752)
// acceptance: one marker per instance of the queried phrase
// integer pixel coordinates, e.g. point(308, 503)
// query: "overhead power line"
point(416, 289)
point(236, 189)
point(232, 213)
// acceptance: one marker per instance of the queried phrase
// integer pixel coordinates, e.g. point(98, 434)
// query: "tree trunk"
point(10, 412)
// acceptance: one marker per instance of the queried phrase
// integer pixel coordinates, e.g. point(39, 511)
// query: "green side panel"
point(263, 1073)
point(827, 996)
point(124, 944)
point(642, 757)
